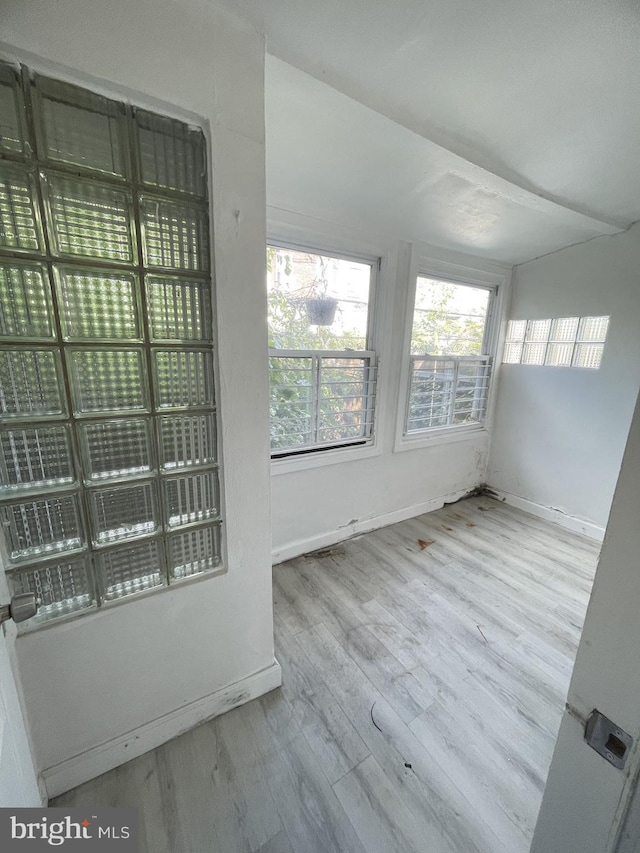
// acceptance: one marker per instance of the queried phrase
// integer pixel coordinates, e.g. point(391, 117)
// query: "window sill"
point(431, 438)
point(320, 458)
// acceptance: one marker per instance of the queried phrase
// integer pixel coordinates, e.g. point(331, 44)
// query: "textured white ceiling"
point(544, 94)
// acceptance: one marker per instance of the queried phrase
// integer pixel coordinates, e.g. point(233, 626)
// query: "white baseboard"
point(363, 525)
point(549, 513)
point(99, 759)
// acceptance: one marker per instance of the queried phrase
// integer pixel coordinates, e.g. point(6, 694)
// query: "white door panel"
point(586, 797)
point(630, 838)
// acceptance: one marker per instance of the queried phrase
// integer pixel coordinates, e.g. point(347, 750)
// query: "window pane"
point(183, 378)
point(191, 498)
point(35, 528)
point(535, 347)
point(61, 589)
point(343, 391)
point(593, 329)
point(36, 457)
point(123, 512)
point(179, 310)
point(432, 393)
point(195, 551)
point(316, 301)
point(187, 440)
point(291, 402)
point(11, 138)
point(176, 235)
point(119, 448)
point(18, 222)
point(171, 154)
point(472, 389)
point(534, 353)
point(89, 219)
point(512, 353)
point(30, 383)
point(559, 355)
point(79, 128)
point(448, 319)
point(538, 331)
point(564, 330)
point(516, 330)
point(25, 301)
point(588, 355)
point(97, 305)
point(447, 392)
point(125, 571)
point(107, 380)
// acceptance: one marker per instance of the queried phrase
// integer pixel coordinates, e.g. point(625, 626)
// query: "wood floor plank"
point(384, 822)
point(243, 805)
point(427, 788)
point(472, 754)
point(425, 669)
point(278, 844)
point(136, 784)
point(406, 647)
point(336, 744)
point(313, 818)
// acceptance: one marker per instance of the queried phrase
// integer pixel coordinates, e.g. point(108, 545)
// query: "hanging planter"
point(321, 311)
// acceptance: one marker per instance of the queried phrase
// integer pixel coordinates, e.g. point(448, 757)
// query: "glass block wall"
point(108, 463)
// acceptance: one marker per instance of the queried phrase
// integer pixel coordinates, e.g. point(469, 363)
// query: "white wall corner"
point(100, 759)
point(549, 513)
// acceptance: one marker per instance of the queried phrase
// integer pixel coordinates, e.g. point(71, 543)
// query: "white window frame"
point(485, 275)
point(296, 237)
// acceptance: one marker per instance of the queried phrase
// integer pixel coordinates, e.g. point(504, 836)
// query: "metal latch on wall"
point(23, 606)
point(608, 739)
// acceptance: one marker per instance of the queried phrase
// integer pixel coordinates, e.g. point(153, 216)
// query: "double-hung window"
point(322, 366)
point(108, 463)
point(450, 361)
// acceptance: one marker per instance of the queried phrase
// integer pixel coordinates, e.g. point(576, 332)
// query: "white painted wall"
point(559, 433)
point(322, 501)
point(585, 795)
point(18, 778)
point(96, 678)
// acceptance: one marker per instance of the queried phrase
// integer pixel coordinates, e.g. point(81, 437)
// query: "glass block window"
point(109, 481)
point(563, 342)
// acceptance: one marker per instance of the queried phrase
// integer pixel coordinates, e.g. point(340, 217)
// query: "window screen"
point(108, 461)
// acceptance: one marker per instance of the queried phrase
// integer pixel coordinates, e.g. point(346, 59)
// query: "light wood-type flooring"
point(425, 670)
